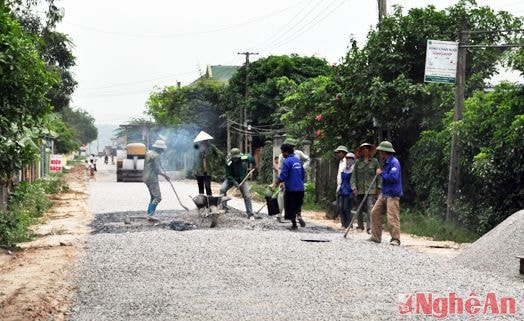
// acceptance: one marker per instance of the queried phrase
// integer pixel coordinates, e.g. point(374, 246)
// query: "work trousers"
point(154, 192)
point(390, 207)
point(204, 181)
point(366, 208)
point(344, 206)
point(244, 190)
point(293, 204)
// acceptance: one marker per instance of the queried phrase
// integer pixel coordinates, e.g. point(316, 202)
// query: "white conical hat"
point(202, 136)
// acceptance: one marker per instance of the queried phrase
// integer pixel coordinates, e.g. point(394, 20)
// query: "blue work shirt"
point(292, 174)
point(345, 186)
point(391, 178)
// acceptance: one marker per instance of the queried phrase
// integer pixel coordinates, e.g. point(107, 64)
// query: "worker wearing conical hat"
point(203, 167)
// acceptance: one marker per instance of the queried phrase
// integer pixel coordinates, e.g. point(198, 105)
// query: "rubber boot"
point(151, 209)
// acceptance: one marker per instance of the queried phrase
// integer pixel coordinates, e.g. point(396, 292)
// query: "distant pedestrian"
point(363, 175)
point(152, 169)
point(388, 201)
point(292, 176)
point(340, 154)
point(205, 152)
point(305, 164)
point(345, 193)
point(237, 167)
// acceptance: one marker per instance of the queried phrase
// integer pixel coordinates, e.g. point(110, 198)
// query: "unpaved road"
point(241, 270)
point(35, 282)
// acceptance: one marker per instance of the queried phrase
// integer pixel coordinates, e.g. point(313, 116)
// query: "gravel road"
point(251, 270)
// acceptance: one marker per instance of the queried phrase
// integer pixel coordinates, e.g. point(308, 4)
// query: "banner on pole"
point(441, 61)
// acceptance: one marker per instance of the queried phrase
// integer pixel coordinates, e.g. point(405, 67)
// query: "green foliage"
point(265, 84)
point(25, 82)
point(28, 202)
point(81, 123)
point(198, 106)
point(266, 169)
point(422, 224)
point(492, 160)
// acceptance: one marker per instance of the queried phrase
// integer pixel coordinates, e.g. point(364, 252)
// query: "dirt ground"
point(36, 281)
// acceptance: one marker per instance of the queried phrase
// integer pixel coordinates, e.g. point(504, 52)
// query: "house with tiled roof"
point(219, 73)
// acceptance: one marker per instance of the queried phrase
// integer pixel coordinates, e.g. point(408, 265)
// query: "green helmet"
point(341, 148)
point(386, 146)
point(290, 141)
point(235, 153)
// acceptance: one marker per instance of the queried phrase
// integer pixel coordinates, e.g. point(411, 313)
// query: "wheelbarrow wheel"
point(214, 220)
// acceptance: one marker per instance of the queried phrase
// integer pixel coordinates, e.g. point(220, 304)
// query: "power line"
point(300, 33)
point(184, 34)
point(139, 81)
point(270, 40)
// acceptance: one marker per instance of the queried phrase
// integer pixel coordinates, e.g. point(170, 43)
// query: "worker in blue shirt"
point(387, 203)
point(293, 177)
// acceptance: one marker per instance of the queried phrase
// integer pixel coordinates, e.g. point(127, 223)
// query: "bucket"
point(272, 206)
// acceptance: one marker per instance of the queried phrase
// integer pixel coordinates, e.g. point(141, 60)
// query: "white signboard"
point(441, 61)
point(55, 165)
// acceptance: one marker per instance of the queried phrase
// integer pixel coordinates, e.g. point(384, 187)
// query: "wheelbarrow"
point(210, 206)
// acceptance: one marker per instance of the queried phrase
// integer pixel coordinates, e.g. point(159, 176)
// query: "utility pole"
point(382, 12)
point(382, 9)
point(243, 113)
point(454, 164)
point(228, 129)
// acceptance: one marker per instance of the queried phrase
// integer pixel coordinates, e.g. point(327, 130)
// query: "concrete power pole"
point(382, 9)
point(243, 114)
point(382, 12)
point(454, 164)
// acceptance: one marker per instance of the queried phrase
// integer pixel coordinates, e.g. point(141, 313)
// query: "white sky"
point(125, 48)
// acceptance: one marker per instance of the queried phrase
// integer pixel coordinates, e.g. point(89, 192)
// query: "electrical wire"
point(284, 27)
point(188, 33)
point(302, 32)
point(139, 81)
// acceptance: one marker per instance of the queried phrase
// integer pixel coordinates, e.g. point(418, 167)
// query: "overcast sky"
point(125, 48)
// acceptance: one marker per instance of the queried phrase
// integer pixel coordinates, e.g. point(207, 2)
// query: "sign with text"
point(441, 61)
point(55, 165)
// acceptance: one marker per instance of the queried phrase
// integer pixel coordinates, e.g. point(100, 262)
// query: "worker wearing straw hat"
point(363, 176)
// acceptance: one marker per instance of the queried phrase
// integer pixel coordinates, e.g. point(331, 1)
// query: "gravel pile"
point(496, 251)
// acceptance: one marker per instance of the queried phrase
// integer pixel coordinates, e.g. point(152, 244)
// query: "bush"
point(417, 223)
point(27, 204)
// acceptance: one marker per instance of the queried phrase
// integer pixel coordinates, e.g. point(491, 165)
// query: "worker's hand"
point(379, 171)
point(167, 177)
point(355, 192)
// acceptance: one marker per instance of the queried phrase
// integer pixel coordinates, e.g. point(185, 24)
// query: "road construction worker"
point(203, 168)
point(388, 201)
point(152, 169)
point(361, 179)
point(237, 165)
point(292, 176)
point(305, 164)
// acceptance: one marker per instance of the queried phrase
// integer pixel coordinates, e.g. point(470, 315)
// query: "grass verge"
point(414, 222)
